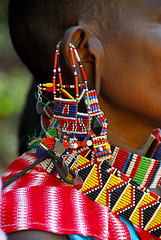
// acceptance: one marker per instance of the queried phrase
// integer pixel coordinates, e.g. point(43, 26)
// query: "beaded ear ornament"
point(77, 130)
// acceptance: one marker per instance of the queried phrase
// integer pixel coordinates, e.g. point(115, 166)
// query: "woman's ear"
point(97, 50)
point(90, 50)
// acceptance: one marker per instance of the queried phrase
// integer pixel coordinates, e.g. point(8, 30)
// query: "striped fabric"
point(39, 200)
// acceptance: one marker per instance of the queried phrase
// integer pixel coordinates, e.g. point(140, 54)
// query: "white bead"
point(101, 149)
point(75, 145)
point(89, 143)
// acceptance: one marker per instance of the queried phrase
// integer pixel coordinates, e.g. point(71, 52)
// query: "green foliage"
point(12, 91)
point(14, 83)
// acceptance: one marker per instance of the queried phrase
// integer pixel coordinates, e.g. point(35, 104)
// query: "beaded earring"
point(74, 128)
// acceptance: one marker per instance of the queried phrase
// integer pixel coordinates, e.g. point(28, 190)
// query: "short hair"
point(37, 25)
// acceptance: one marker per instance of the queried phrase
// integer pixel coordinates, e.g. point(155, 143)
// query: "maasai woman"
point(113, 47)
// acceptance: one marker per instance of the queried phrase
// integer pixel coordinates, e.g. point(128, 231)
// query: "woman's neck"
point(126, 130)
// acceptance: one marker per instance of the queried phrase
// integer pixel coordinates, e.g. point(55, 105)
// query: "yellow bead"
point(48, 84)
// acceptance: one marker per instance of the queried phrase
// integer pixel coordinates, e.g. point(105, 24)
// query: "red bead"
point(94, 150)
point(66, 144)
point(83, 144)
point(78, 144)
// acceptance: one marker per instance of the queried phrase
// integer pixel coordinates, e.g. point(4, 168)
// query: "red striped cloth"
point(38, 200)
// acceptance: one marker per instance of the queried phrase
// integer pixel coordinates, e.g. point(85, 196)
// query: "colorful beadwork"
point(117, 178)
point(143, 170)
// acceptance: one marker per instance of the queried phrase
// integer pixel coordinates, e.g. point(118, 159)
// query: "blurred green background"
point(14, 83)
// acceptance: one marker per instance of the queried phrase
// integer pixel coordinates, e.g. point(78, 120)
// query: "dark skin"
point(127, 75)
